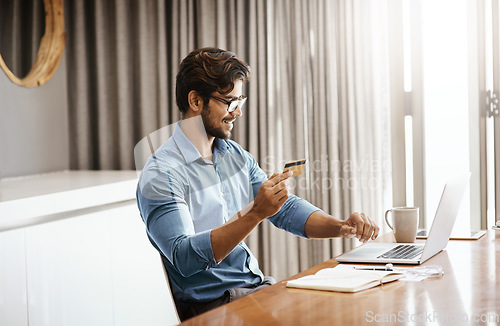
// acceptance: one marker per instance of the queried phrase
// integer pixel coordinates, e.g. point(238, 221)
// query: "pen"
point(387, 267)
point(373, 269)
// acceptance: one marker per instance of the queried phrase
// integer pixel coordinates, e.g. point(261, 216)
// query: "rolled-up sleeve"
point(170, 225)
point(293, 215)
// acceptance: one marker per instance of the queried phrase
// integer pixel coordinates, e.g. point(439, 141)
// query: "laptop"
point(416, 253)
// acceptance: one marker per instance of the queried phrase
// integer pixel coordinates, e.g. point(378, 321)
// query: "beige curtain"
point(121, 67)
point(318, 90)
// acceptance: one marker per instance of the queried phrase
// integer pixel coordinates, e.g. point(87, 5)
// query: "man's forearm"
point(321, 225)
point(359, 225)
point(227, 236)
point(270, 198)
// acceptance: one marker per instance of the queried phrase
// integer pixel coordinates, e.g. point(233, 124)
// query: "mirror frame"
point(51, 48)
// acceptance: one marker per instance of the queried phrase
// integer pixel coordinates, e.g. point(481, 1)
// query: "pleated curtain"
point(318, 90)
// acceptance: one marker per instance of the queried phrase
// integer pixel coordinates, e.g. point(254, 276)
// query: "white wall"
point(34, 126)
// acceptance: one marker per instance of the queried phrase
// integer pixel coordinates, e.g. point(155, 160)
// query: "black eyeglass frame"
point(231, 104)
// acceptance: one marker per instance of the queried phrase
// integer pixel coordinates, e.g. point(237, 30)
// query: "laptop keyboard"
point(402, 252)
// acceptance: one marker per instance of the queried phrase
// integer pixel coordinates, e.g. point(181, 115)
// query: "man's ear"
point(195, 101)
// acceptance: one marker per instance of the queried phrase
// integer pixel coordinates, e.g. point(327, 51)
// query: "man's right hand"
point(272, 195)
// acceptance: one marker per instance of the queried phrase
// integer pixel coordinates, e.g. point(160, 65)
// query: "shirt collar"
point(185, 146)
point(220, 145)
point(189, 151)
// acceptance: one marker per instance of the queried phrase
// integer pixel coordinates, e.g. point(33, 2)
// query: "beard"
point(210, 127)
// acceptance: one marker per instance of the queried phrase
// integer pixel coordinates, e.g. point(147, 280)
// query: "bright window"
point(445, 102)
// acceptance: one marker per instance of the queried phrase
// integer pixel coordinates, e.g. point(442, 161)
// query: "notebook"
point(416, 253)
point(342, 280)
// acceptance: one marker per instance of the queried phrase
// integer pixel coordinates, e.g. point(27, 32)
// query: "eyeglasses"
point(232, 104)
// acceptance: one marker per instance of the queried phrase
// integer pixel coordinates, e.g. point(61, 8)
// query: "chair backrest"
point(171, 309)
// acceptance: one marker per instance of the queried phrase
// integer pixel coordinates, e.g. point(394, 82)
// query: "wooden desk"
point(470, 289)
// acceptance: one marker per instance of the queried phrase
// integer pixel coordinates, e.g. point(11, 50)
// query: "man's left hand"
point(360, 226)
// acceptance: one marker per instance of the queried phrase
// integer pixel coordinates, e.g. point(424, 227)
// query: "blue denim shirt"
point(182, 197)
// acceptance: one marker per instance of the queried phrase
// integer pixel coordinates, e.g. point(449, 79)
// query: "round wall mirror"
point(51, 48)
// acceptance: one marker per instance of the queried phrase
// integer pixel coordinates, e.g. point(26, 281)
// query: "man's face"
point(217, 121)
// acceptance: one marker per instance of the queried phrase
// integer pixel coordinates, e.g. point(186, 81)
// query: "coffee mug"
point(405, 223)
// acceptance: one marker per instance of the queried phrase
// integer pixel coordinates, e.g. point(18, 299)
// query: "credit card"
point(296, 167)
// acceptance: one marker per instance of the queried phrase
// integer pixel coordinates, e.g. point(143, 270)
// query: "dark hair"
point(208, 70)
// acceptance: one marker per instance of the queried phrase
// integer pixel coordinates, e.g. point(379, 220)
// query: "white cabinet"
point(13, 303)
point(90, 265)
point(69, 272)
point(140, 292)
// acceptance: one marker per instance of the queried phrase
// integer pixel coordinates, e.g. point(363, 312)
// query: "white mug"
point(405, 223)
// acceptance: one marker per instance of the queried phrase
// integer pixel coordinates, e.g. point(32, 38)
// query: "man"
point(200, 194)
